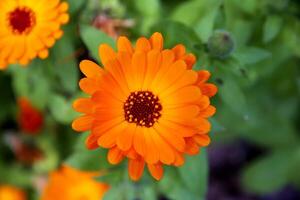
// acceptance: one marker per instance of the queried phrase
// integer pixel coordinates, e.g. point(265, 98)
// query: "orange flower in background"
point(30, 119)
point(70, 184)
point(28, 28)
point(146, 104)
point(11, 193)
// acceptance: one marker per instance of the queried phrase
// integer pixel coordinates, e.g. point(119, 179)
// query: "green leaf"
point(189, 12)
point(194, 174)
point(152, 8)
point(75, 5)
point(114, 193)
point(15, 175)
point(271, 28)
point(20, 78)
point(293, 173)
point(175, 33)
point(205, 25)
point(187, 182)
point(93, 37)
point(87, 160)
point(66, 68)
point(251, 55)
point(61, 109)
point(32, 82)
point(232, 94)
point(267, 174)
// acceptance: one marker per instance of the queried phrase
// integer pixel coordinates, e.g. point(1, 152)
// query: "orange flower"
point(11, 193)
point(30, 119)
point(28, 28)
point(146, 104)
point(71, 184)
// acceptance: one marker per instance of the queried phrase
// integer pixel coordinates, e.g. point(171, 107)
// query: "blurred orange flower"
point(30, 119)
point(70, 184)
point(28, 28)
point(11, 193)
point(147, 104)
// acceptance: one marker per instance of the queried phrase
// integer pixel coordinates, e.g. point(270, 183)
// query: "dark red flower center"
point(142, 108)
point(21, 20)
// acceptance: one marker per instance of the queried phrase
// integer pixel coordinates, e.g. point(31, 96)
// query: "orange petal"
point(166, 61)
point(153, 64)
point(189, 77)
point(184, 95)
point(125, 139)
point(112, 87)
point(105, 114)
point(203, 102)
point(108, 139)
point(99, 129)
point(191, 147)
point(186, 112)
point(84, 105)
point(202, 140)
point(171, 137)
point(156, 170)
point(131, 153)
point(91, 142)
point(179, 160)
point(139, 142)
point(203, 76)
point(124, 45)
point(157, 41)
point(90, 69)
point(209, 89)
point(142, 44)
point(165, 151)
point(115, 68)
point(115, 156)
point(82, 123)
point(136, 168)
point(89, 85)
point(106, 53)
point(203, 125)
point(208, 112)
point(190, 60)
point(181, 129)
point(105, 100)
point(179, 51)
point(139, 67)
point(151, 150)
point(176, 70)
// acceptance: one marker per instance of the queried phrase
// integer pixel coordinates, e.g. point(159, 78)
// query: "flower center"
point(21, 20)
point(142, 108)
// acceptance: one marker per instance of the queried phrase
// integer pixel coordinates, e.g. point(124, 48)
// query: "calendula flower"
point(70, 184)
point(146, 104)
point(30, 119)
point(28, 28)
point(11, 193)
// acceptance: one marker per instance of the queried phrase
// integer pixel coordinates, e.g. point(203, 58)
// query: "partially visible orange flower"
point(146, 104)
point(11, 193)
point(30, 119)
point(70, 184)
point(28, 28)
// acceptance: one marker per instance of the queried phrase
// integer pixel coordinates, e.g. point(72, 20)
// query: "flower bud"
point(220, 44)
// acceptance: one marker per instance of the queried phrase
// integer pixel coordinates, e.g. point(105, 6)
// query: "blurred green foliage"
point(258, 99)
